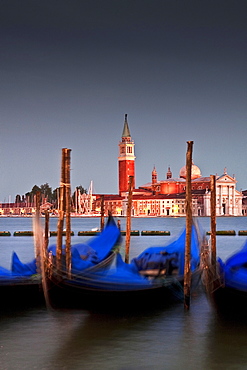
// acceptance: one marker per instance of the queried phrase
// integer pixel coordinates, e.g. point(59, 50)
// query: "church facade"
point(228, 198)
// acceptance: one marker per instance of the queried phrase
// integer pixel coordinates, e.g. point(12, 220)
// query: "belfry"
point(126, 159)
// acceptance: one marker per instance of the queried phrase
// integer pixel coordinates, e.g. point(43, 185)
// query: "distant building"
point(228, 199)
point(17, 209)
point(244, 203)
point(165, 198)
point(24, 208)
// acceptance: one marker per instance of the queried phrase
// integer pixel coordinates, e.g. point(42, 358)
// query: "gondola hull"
point(21, 293)
point(227, 286)
point(229, 300)
point(128, 285)
point(81, 294)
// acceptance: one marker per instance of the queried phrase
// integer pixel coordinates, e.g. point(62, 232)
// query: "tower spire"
point(126, 130)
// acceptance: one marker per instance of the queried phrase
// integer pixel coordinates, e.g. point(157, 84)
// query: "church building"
point(228, 198)
point(167, 197)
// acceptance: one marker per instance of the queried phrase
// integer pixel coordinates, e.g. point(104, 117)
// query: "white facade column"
point(234, 208)
point(220, 202)
point(229, 208)
point(207, 204)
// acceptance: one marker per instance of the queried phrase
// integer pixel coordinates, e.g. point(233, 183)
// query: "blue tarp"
point(18, 268)
point(96, 249)
point(4, 272)
point(122, 276)
point(79, 264)
point(82, 255)
point(24, 269)
point(157, 257)
point(118, 277)
point(235, 269)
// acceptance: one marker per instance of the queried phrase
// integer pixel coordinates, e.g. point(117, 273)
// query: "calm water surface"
point(171, 338)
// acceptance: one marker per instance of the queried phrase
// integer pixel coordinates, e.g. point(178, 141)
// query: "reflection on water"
point(168, 338)
point(163, 339)
point(227, 340)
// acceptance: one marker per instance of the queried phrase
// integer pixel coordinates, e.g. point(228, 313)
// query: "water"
point(170, 338)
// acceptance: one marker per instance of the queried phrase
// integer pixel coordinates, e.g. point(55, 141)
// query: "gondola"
point(21, 285)
point(153, 278)
point(227, 288)
point(97, 254)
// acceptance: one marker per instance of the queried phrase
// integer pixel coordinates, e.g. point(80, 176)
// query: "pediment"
point(226, 178)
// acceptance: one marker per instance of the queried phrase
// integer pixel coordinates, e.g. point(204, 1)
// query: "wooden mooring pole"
point(102, 213)
point(61, 212)
point(67, 211)
point(213, 223)
point(64, 210)
point(46, 241)
point(44, 259)
point(187, 262)
point(37, 232)
point(128, 221)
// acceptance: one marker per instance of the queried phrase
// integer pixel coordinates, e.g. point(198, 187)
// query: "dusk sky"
point(71, 69)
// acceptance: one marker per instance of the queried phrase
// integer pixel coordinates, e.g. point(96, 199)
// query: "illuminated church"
point(167, 197)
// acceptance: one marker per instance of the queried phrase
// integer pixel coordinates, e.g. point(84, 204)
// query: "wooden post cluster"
point(61, 208)
point(187, 262)
point(64, 210)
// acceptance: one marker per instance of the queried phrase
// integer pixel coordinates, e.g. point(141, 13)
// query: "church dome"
point(195, 172)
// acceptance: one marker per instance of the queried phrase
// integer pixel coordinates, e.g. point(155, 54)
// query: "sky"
point(71, 69)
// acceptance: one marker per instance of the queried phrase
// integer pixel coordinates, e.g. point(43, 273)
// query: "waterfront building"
point(23, 208)
point(244, 203)
point(147, 205)
point(228, 198)
point(165, 198)
point(17, 209)
point(84, 201)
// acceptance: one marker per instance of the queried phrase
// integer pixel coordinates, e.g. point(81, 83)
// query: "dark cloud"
point(70, 70)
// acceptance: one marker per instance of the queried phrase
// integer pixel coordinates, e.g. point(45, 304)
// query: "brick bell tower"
point(126, 159)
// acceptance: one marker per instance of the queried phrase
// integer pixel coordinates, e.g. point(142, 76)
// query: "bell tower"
point(169, 173)
point(126, 159)
point(154, 176)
